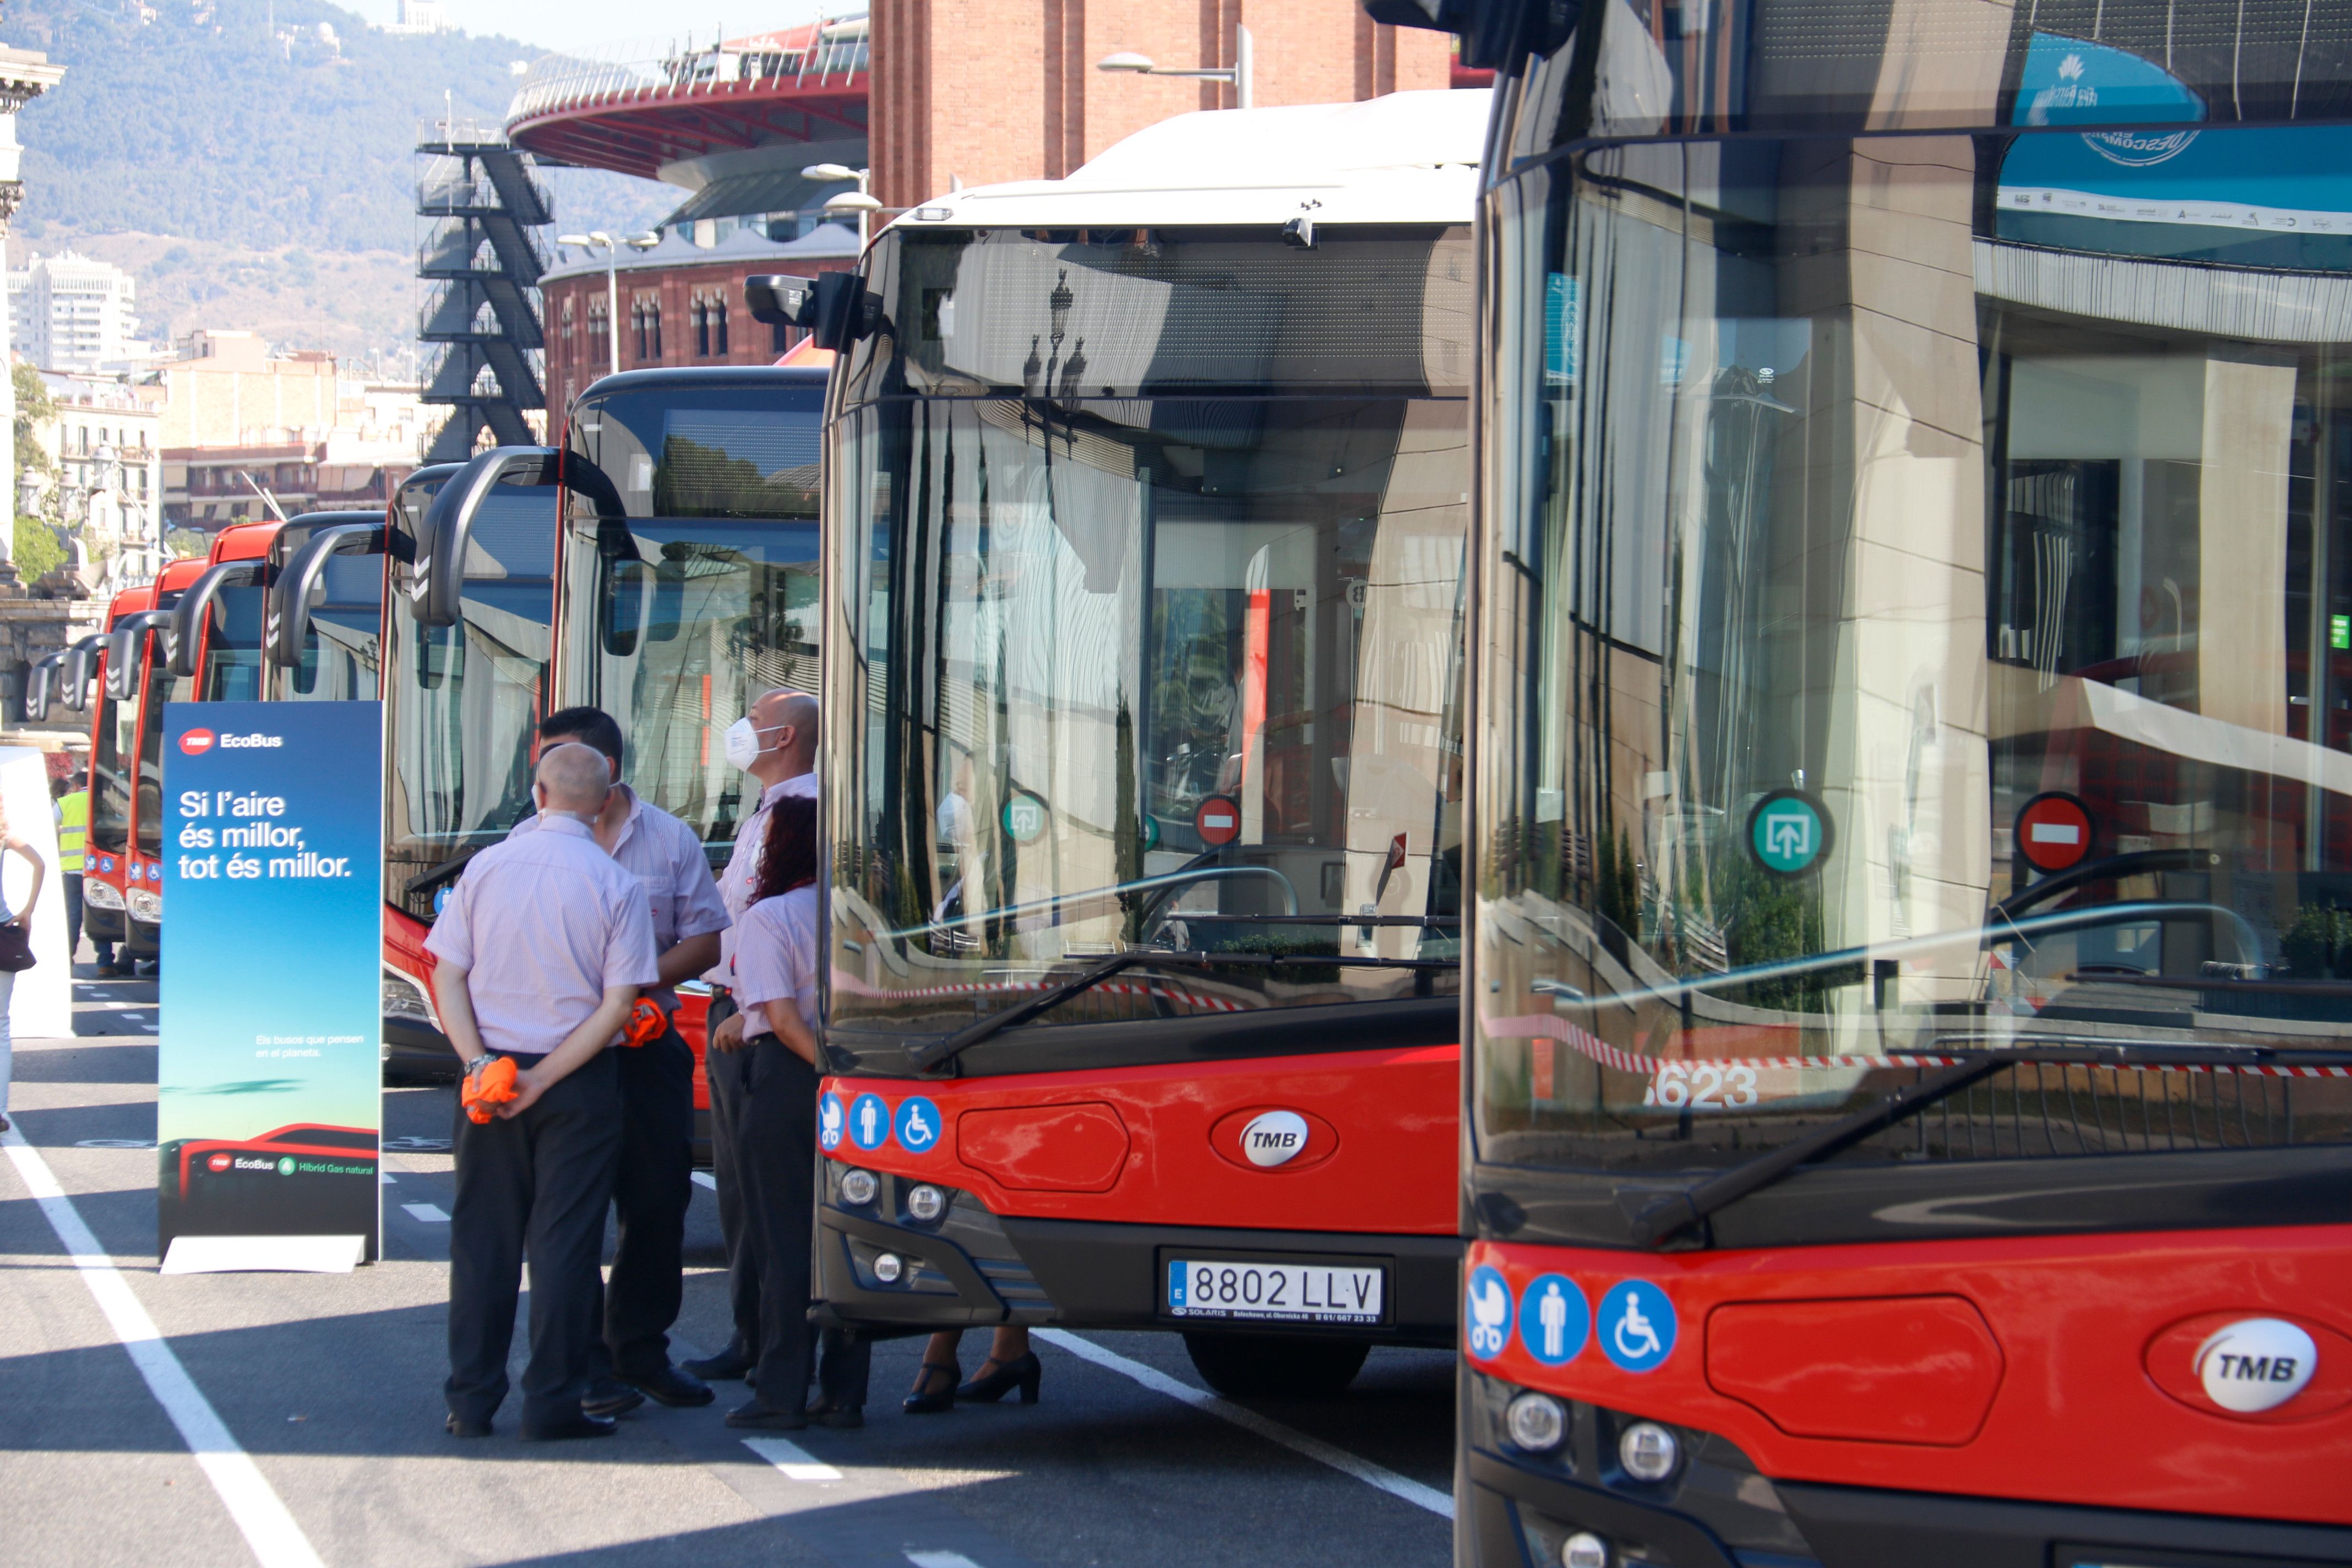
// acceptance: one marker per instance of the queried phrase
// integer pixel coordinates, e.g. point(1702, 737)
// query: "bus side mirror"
point(1495, 34)
point(38, 683)
point(188, 615)
point(440, 574)
point(836, 308)
point(79, 669)
point(289, 627)
point(625, 604)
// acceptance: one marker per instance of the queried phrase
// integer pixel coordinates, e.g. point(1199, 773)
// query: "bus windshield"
point(160, 686)
point(115, 741)
point(1918, 622)
point(703, 593)
point(233, 666)
point(460, 701)
point(1154, 633)
point(341, 658)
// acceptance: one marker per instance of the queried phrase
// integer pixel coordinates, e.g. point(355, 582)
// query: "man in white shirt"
point(655, 1182)
point(776, 744)
point(539, 956)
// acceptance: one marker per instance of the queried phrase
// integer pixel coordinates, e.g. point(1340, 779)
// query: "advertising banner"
point(268, 1104)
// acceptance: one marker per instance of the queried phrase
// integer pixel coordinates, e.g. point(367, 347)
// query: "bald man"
point(539, 955)
point(780, 758)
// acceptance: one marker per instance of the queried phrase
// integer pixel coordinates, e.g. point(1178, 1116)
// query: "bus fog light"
point(1648, 1451)
point(927, 1203)
point(858, 1186)
point(888, 1267)
point(1538, 1422)
point(1584, 1550)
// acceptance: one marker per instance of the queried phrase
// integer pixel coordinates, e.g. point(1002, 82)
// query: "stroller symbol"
point(1490, 1312)
point(828, 1114)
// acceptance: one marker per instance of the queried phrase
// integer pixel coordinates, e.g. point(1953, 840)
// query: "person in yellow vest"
point(73, 829)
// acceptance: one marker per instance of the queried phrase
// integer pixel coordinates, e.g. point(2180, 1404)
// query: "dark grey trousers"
point(537, 1187)
point(651, 1190)
point(724, 1071)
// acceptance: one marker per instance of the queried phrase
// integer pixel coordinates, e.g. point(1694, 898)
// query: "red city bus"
point(1909, 1103)
point(686, 573)
point(89, 679)
point(1142, 759)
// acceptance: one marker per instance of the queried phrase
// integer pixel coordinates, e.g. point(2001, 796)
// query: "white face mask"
point(742, 744)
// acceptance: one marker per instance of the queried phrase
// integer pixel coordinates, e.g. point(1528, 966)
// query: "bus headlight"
point(888, 1268)
point(927, 1203)
point(858, 1188)
point(1648, 1451)
point(1584, 1550)
point(144, 905)
point(100, 895)
point(1538, 1422)
point(404, 998)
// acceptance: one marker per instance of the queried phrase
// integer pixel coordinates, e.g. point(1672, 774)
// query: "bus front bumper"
point(972, 1266)
point(1514, 1508)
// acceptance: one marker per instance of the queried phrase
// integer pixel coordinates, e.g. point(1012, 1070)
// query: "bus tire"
point(1280, 1365)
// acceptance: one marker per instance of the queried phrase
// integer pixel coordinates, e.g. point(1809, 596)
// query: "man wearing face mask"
point(539, 956)
point(776, 744)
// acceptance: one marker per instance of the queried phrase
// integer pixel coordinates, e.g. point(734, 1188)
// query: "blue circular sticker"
point(1789, 832)
point(1554, 1319)
point(831, 1120)
point(1636, 1325)
point(1488, 1319)
point(918, 1125)
point(869, 1122)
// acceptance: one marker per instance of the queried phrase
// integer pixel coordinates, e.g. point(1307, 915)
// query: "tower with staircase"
point(480, 207)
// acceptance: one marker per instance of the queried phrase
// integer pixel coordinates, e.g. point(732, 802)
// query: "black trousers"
point(73, 916)
point(776, 1143)
point(724, 1070)
point(651, 1189)
point(535, 1185)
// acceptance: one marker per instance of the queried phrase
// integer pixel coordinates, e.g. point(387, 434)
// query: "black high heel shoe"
point(931, 1397)
point(987, 1387)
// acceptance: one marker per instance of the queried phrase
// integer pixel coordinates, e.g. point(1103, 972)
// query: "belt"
point(726, 991)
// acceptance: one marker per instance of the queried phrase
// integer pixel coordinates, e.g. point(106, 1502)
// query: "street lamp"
point(1130, 63)
point(590, 242)
point(858, 204)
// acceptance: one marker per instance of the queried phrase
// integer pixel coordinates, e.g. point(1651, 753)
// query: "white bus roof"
point(1409, 157)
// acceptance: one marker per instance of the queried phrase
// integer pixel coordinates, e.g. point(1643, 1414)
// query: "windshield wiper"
point(1670, 1215)
point(946, 1048)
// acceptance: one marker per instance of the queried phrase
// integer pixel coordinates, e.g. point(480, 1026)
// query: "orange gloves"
point(486, 1088)
point(647, 1023)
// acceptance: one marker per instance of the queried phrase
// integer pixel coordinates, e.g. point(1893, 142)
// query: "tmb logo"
point(1276, 1138)
point(220, 1161)
point(197, 742)
point(2256, 1364)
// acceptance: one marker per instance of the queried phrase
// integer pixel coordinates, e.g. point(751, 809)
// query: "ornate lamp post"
point(24, 75)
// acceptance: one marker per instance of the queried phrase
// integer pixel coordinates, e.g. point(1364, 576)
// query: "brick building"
point(681, 303)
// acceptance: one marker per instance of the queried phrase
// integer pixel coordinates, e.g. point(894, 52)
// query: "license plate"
point(1277, 1292)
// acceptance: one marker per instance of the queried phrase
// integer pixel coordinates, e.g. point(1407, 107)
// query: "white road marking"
point(1297, 1442)
point(940, 1559)
point(429, 1213)
point(796, 1462)
point(277, 1540)
point(384, 1178)
point(705, 1179)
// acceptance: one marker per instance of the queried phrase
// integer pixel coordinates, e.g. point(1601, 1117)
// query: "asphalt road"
point(330, 1384)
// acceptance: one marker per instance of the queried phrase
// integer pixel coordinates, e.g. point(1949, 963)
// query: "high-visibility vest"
point(73, 828)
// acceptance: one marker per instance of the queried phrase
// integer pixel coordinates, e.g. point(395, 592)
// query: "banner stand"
point(265, 1254)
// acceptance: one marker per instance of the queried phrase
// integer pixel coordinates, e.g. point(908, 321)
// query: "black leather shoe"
point(987, 1387)
point(461, 1428)
point(610, 1396)
point(766, 1417)
point(935, 1389)
point(724, 1367)
point(581, 1425)
point(673, 1386)
point(823, 1412)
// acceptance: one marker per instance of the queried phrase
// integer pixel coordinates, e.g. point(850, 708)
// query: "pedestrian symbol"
point(1554, 1321)
point(918, 1125)
point(1789, 832)
point(869, 1122)
point(1490, 1312)
point(1636, 1325)
point(830, 1121)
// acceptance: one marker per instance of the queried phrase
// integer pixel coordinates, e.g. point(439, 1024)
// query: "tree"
point(34, 408)
point(38, 548)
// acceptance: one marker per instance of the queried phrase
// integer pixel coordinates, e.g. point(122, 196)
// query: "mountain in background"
point(266, 129)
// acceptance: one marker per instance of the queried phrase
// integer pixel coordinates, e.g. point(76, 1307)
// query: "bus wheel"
point(1278, 1364)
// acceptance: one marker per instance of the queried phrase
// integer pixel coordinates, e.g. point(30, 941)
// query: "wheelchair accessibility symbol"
point(1636, 1325)
point(831, 1122)
point(918, 1126)
point(1489, 1317)
point(869, 1122)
